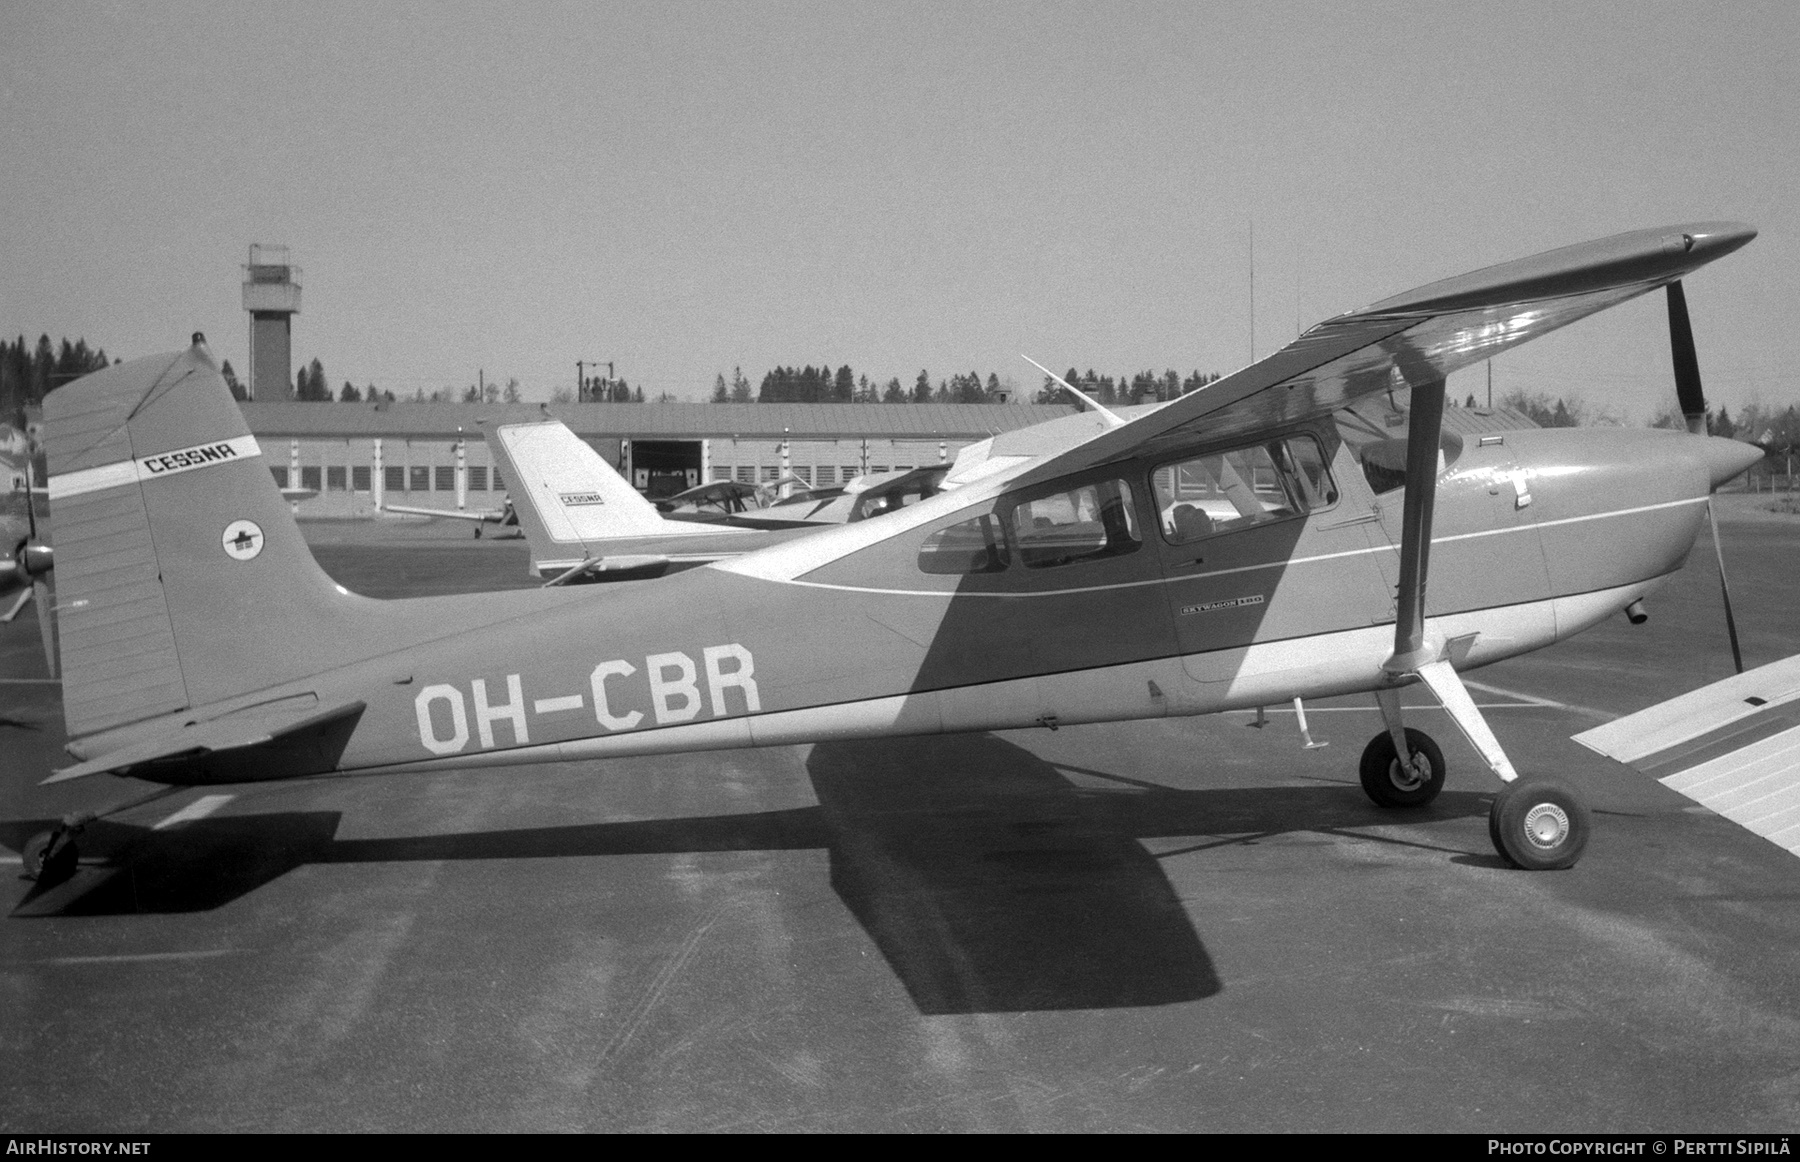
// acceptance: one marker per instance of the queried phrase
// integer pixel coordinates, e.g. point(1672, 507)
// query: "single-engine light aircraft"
point(1268, 536)
point(586, 523)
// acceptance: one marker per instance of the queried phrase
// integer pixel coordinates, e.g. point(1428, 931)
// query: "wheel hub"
point(1546, 825)
point(1410, 774)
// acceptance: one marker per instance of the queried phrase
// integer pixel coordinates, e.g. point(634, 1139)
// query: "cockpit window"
point(1376, 434)
point(1225, 491)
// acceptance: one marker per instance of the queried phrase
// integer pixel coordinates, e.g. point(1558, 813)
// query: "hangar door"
point(662, 468)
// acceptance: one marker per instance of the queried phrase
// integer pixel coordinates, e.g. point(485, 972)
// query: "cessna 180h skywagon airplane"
point(1266, 537)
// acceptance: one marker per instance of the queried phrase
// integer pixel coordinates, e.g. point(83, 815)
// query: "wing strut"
point(1415, 653)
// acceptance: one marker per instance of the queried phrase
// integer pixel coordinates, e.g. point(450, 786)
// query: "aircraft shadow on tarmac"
point(988, 880)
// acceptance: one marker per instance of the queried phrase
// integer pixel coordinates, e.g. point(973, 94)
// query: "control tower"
point(272, 296)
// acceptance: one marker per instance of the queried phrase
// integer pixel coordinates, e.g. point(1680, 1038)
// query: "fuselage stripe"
point(170, 463)
point(1241, 568)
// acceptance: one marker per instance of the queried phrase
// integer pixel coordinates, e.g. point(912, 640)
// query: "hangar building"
point(432, 455)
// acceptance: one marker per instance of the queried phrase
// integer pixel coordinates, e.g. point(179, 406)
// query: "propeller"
point(1687, 364)
point(1692, 400)
point(30, 566)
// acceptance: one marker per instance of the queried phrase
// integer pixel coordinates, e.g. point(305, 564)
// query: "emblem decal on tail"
point(243, 539)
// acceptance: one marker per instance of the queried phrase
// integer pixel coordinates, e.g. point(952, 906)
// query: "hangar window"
point(1227, 491)
point(847, 473)
point(1082, 524)
point(279, 472)
point(336, 478)
point(478, 478)
point(359, 478)
point(393, 479)
point(827, 476)
point(418, 479)
point(746, 474)
point(974, 546)
point(804, 473)
point(498, 486)
point(309, 477)
point(445, 478)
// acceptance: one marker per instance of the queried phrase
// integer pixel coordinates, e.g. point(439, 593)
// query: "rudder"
point(181, 575)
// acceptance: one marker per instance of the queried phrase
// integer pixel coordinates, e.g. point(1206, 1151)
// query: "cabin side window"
point(973, 546)
point(1082, 524)
point(1226, 491)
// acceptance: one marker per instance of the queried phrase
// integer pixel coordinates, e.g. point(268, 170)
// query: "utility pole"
point(581, 383)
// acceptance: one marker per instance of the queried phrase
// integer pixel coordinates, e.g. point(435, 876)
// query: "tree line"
point(28, 371)
point(821, 384)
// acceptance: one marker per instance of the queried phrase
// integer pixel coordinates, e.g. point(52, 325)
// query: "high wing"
point(1733, 746)
point(1420, 336)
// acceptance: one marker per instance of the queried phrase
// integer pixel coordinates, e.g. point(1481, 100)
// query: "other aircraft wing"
point(1733, 746)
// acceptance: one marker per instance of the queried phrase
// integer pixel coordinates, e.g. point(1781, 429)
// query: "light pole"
point(581, 384)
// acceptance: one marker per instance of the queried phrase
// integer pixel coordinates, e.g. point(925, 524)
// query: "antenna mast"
point(1253, 290)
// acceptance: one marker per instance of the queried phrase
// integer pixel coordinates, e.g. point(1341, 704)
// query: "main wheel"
point(48, 861)
point(1539, 825)
point(1392, 783)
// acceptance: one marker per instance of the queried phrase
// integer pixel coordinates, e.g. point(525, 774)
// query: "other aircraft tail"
point(570, 502)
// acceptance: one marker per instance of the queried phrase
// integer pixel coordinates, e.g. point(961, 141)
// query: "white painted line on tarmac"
point(1377, 709)
point(30, 681)
point(133, 957)
point(1534, 700)
point(199, 809)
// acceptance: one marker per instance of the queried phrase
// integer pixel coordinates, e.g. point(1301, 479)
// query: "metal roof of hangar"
point(649, 421)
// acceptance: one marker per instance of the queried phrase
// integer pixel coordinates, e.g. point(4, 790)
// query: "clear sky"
point(685, 188)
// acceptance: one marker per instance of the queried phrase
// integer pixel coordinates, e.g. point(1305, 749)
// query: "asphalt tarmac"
point(1168, 925)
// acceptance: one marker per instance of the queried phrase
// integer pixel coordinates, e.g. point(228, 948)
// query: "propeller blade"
point(1687, 364)
point(1737, 657)
point(46, 626)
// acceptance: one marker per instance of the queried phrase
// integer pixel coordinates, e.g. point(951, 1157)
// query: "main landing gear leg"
point(1536, 824)
point(1389, 779)
point(50, 856)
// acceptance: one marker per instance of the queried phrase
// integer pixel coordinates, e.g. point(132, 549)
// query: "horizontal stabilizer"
point(1733, 747)
point(244, 730)
point(485, 515)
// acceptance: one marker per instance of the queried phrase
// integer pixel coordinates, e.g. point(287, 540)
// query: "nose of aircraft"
point(1726, 459)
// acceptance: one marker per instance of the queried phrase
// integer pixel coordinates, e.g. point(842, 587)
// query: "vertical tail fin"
point(181, 576)
point(567, 497)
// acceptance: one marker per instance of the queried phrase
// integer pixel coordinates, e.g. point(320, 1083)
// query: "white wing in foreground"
point(1733, 747)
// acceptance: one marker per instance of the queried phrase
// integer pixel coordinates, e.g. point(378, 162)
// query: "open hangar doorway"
point(659, 468)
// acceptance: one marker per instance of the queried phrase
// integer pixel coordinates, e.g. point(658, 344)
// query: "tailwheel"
point(1393, 783)
point(1539, 825)
point(50, 856)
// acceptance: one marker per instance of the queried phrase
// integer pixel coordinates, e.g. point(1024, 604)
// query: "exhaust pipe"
point(1635, 613)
